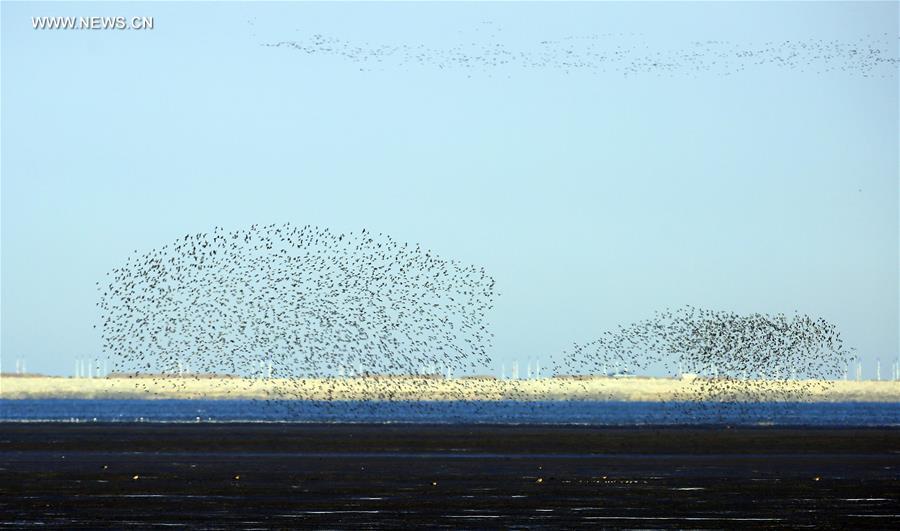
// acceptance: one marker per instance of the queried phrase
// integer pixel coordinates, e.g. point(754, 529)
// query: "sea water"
point(455, 412)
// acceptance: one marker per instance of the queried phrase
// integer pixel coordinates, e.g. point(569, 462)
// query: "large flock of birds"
point(280, 304)
point(489, 53)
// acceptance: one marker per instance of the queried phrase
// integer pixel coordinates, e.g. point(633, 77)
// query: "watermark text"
point(92, 23)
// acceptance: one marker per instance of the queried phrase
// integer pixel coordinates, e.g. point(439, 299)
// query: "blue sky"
point(592, 197)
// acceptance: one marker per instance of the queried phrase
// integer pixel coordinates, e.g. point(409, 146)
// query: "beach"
point(458, 476)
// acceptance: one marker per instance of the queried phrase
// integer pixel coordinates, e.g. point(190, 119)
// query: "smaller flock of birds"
point(731, 358)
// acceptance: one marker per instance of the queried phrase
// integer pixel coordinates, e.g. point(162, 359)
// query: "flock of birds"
point(278, 306)
point(610, 53)
point(729, 358)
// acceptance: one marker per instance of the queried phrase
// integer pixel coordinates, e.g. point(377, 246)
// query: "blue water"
point(506, 412)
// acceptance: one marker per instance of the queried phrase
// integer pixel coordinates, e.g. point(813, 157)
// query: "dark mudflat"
point(390, 476)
